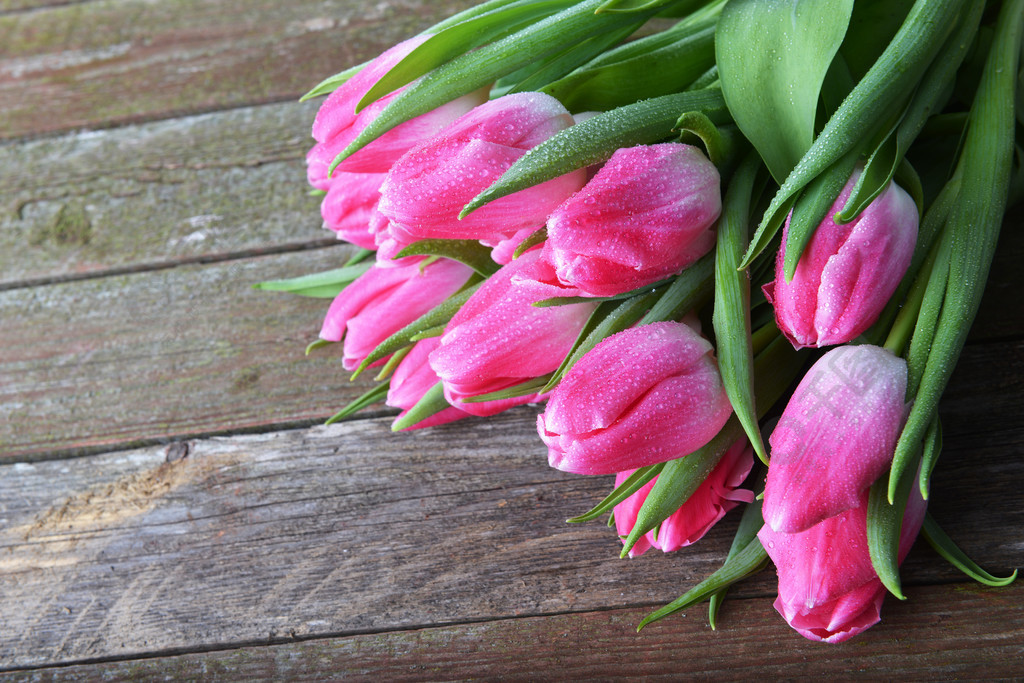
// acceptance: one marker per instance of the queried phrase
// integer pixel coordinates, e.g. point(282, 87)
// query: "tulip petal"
point(835, 437)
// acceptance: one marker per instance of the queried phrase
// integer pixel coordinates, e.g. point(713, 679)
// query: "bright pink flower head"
point(847, 272)
point(350, 207)
point(836, 436)
point(828, 590)
point(412, 379)
point(499, 339)
point(384, 300)
point(425, 191)
point(337, 123)
point(642, 396)
point(718, 494)
point(646, 215)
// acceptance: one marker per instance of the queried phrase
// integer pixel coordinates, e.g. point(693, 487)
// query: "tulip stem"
point(906, 319)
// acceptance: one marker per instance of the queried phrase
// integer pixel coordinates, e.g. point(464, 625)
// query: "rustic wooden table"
point(170, 504)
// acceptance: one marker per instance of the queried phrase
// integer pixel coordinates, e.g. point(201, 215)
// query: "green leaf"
point(561, 64)
point(691, 289)
point(884, 89)
point(750, 523)
point(928, 99)
point(316, 344)
point(631, 485)
point(481, 67)
point(534, 385)
point(430, 404)
point(375, 395)
point(459, 38)
point(568, 300)
point(628, 74)
point(932, 448)
point(945, 547)
point(469, 252)
point(437, 316)
point(812, 207)
point(748, 561)
point(720, 147)
point(975, 218)
point(731, 318)
point(626, 6)
point(326, 285)
point(533, 240)
point(594, 140)
point(772, 58)
point(332, 83)
point(883, 530)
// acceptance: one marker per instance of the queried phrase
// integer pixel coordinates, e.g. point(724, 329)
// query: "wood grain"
point(148, 195)
point(333, 531)
point(941, 632)
point(114, 361)
point(110, 62)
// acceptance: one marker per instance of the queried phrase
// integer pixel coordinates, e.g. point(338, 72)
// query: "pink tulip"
point(412, 379)
point(847, 272)
point(718, 494)
point(828, 590)
point(337, 123)
point(428, 187)
point(647, 214)
point(645, 395)
point(835, 437)
point(499, 339)
point(384, 300)
point(350, 207)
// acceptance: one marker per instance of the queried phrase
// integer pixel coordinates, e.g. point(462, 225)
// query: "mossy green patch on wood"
point(71, 226)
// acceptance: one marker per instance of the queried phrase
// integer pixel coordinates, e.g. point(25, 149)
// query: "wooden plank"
point(941, 632)
point(110, 62)
point(182, 351)
point(349, 529)
point(189, 188)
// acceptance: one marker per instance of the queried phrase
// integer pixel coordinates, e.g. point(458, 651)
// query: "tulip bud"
point(382, 301)
point(828, 589)
point(499, 339)
point(718, 494)
point(646, 215)
point(428, 187)
point(351, 205)
point(642, 396)
point(412, 379)
point(337, 123)
point(847, 273)
point(835, 437)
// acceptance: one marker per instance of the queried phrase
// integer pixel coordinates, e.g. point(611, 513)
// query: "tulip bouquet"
point(651, 215)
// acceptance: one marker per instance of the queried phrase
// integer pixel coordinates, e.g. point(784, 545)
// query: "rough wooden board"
point(941, 632)
point(109, 62)
point(345, 529)
point(321, 531)
point(187, 188)
point(119, 360)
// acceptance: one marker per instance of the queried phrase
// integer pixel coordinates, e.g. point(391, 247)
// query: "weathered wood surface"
point(922, 639)
point(106, 62)
point(134, 358)
point(138, 197)
point(332, 531)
